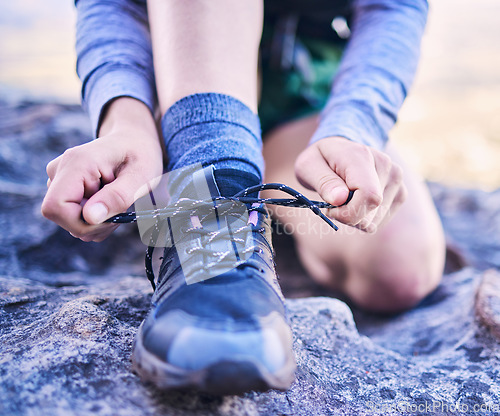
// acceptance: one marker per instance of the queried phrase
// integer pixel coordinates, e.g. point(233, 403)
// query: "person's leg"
point(387, 271)
point(206, 57)
point(205, 46)
point(218, 320)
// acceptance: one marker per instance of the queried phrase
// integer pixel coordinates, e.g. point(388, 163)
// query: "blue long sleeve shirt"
point(115, 59)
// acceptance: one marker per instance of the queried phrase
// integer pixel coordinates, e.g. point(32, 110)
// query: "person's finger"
point(384, 167)
point(115, 197)
point(102, 236)
point(366, 224)
point(91, 187)
point(102, 232)
point(360, 175)
point(394, 196)
point(390, 179)
point(52, 167)
point(314, 172)
point(66, 214)
point(62, 203)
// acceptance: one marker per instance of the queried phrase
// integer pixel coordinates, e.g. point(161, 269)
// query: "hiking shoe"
point(218, 321)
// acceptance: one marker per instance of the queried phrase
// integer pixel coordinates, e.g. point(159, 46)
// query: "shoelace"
point(189, 207)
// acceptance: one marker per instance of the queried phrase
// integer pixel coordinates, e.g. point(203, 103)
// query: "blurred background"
point(449, 127)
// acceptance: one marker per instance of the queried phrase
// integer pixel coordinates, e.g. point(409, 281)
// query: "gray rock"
point(488, 302)
point(69, 312)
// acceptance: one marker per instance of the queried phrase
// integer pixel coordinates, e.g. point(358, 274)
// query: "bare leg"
point(205, 46)
point(387, 271)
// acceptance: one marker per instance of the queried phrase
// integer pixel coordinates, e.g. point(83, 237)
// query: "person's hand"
point(90, 183)
point(335, 165)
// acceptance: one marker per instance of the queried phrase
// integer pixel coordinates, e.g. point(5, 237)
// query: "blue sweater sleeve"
point(376, 71)
point(113, 47)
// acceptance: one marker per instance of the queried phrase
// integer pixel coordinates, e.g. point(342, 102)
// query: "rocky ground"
point(69, 311)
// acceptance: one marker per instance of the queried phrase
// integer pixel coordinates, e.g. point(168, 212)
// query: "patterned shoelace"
point(190, 207)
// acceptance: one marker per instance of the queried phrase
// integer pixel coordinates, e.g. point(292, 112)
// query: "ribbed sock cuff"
point(216, 129)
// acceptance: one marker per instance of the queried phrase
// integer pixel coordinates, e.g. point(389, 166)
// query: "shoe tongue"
point(205, 187)
point(196, 182)
point(232, 181)
point(204, 183)
point(192, 182)
point(226, 237)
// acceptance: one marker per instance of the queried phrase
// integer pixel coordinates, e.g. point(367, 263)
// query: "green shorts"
point(296, 75)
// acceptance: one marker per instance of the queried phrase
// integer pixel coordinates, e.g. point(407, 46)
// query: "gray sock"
point(216, 129)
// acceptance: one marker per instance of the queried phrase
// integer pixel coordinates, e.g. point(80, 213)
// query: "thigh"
point(345, 259)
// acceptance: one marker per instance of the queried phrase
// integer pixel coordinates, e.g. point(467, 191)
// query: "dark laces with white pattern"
point(189, 207)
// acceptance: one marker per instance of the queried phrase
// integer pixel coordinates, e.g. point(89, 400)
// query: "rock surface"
point(69, 311)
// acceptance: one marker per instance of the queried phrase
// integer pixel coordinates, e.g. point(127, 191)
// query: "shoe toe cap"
point(186, 343)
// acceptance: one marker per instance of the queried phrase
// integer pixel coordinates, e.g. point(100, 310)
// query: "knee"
point(398, 281)
point(398, 290)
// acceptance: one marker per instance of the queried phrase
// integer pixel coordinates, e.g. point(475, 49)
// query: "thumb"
point(113, 198)
point(317, 175)
point(333, 189)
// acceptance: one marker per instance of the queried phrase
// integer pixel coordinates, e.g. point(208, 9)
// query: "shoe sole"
point(228, 377)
